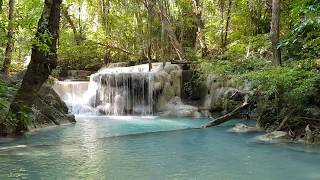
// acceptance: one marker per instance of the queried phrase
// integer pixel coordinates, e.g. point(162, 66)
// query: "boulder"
point(176, 108)
point(119, 64)
point(78, 75)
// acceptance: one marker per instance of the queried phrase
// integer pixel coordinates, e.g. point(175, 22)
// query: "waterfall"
point(112, 91)
point(73, 93)
point(122, 93)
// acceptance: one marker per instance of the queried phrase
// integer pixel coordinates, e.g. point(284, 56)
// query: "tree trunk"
point(200, 27)
point(79, 20)
point(227, 24)
point(104, 21)
point(1, 3)
point(10, 43)
point(168, 29)
point(40, 67)
point(275, 30)
point(149, 6)
point(140, 33)
point(163, 31)
point(221, 4)
point(66, 15)
point(172, 36)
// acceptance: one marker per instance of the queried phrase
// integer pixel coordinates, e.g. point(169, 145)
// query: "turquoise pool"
point(152, 148)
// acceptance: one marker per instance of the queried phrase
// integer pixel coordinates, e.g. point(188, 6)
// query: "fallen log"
point(226, 117)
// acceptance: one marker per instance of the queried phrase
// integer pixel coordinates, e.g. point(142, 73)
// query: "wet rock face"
point(119, 64)
point(218, 90)
point(48, 109)
point(176, 108)
point(134, 90)
point(167, 85)
point(52, 98)
point(78, 74)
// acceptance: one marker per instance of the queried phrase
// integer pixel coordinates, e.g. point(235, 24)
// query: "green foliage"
point(242, 56)
point(278, 91)
point(26, 16)
point(83, 56)
point(303, 41)
point(43, 41)
point(7, 92)
point(234, 67)
point(284, 91)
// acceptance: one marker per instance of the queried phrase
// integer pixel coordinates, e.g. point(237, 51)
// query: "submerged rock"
point(274, 137)
point(243, 128)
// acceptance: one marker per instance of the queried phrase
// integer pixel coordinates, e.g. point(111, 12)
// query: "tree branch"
point(226, 117)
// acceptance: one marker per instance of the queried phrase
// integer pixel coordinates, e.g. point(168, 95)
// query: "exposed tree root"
point(283, 122)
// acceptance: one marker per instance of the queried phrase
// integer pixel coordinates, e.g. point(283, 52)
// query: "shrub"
point(7, 92)
point(284, 91)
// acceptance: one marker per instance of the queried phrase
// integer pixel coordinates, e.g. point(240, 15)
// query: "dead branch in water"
point(227, 117)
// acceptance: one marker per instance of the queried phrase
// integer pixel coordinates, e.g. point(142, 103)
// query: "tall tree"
point(200, 26)
point(10, 42)
point(150, 8)
point(222, 9)
point(68, 17)
point(162, 3)
point(1, 3)
point(227, 23)
point(105, 9)
point(167, 25)
point(275, 29)
point(43, 61)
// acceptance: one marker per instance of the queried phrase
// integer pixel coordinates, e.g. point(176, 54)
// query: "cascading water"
point(121, 93)
point(73, 93)
point(112, 91)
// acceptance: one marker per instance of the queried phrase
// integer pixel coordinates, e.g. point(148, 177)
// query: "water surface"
point(152, 148)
